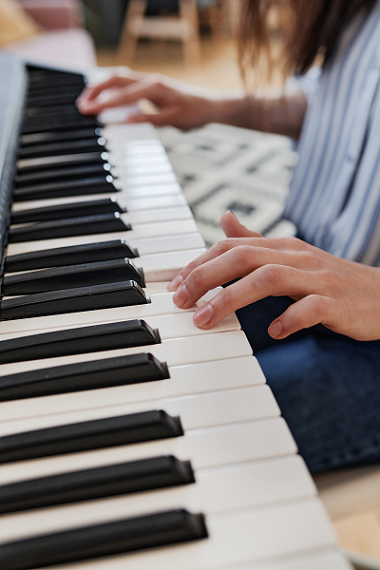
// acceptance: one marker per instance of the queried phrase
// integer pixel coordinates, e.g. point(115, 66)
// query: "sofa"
point(60, 38)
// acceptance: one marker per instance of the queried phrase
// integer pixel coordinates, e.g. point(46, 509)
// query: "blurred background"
point(218, 167)
point(192, 40)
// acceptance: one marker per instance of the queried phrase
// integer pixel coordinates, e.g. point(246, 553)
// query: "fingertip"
point(175, 283)
point(181, 296)
point(204, 315)
point(276, 330)
point(85, 106)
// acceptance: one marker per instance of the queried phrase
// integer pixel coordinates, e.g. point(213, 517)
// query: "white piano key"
point(324, 559)
point(146, 217)
point(142, 231)
point(161, 304)
point(118, 114)
point(127, 180)
point(196, 410)
point(155, 216)
point(141, 135)
point(132, 168)
point(165, 266)
point(181, 242)
point(235, 537)
point(176, 351)
point(161, 188)
point(169, 326)
point(217, 490)
point(132, 204)
point(184, 380)
point(145, 246)
point(207, 447)
point(170, 227)
point(141, 159)
point(155, 287)
point(162, 266)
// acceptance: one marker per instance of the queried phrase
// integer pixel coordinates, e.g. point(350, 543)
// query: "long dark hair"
point(309, 28)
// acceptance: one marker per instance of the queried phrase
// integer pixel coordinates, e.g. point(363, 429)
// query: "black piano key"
point(110, 336)
point(26, 165)
point(59, 175)
point(45, 77)
point(36, 126)
point(63, 147)
point(40, 99)
point(80, 186)
point(60, 228)
point(105, 296)
point(92, 375)
point(83, 436)
point(73, 210)
point(159, 529)
point(54, 136)
point(40, 79)
point(50, 88)
point(96, 483)
point(48, 112)
point(71, 255)
point(71, 276)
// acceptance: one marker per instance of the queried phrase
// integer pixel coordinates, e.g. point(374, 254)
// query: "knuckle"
point(294, 243)
point(222, 246)
point(227, 299)
point(309, 260)
point(271, 274)
point(157, 81)
point(317, 304)
point(242, 253)
point(197, 277)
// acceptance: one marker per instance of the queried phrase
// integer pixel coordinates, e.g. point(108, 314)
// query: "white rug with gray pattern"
point(221, 167)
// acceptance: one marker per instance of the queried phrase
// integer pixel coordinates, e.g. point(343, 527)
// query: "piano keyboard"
point(128, 437)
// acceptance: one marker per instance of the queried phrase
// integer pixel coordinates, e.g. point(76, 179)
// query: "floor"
point(217, 69)
point(353, 501)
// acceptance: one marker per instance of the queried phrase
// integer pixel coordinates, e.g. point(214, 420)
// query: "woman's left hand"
point(342, 295)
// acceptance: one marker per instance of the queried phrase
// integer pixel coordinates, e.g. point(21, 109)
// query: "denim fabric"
point(327, 386)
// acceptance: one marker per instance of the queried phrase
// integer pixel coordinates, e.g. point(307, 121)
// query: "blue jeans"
point(327, 386)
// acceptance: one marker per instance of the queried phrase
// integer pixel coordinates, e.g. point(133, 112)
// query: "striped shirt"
point(334, 197)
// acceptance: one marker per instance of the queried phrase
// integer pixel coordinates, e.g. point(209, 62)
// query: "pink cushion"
point(54, 14)
point(73, 49)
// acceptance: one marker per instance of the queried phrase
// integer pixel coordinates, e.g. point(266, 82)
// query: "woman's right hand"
point(176, 103)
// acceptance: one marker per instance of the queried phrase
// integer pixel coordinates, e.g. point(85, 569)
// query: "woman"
point(321, 352)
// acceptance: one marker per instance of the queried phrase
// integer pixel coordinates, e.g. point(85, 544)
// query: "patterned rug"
point(221, 167)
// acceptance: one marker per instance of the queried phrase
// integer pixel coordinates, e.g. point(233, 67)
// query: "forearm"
point(281, 115)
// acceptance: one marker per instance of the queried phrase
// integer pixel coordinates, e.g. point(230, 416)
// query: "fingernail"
point(173, 285)
point(275, 329)
point(181, 296)
point(231, 212)
point(204, 315)
point(85, 105)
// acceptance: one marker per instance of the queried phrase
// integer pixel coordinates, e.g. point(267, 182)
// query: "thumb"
point(233, 228)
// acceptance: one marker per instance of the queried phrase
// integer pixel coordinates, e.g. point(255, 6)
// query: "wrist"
point(229, 111)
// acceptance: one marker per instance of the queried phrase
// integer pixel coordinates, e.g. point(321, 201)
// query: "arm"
point(342, 295)
point(184, 107)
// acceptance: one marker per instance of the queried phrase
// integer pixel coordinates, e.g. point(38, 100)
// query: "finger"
point(206, 277)
point(125, 95)
point(158, 118)
point(214, 252)
point(270, 280)
point(90, 93)
point(305, 313)
point(218, 267)
point(233, 228)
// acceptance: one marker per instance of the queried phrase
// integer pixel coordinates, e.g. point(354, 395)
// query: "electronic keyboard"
point(128, 437)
